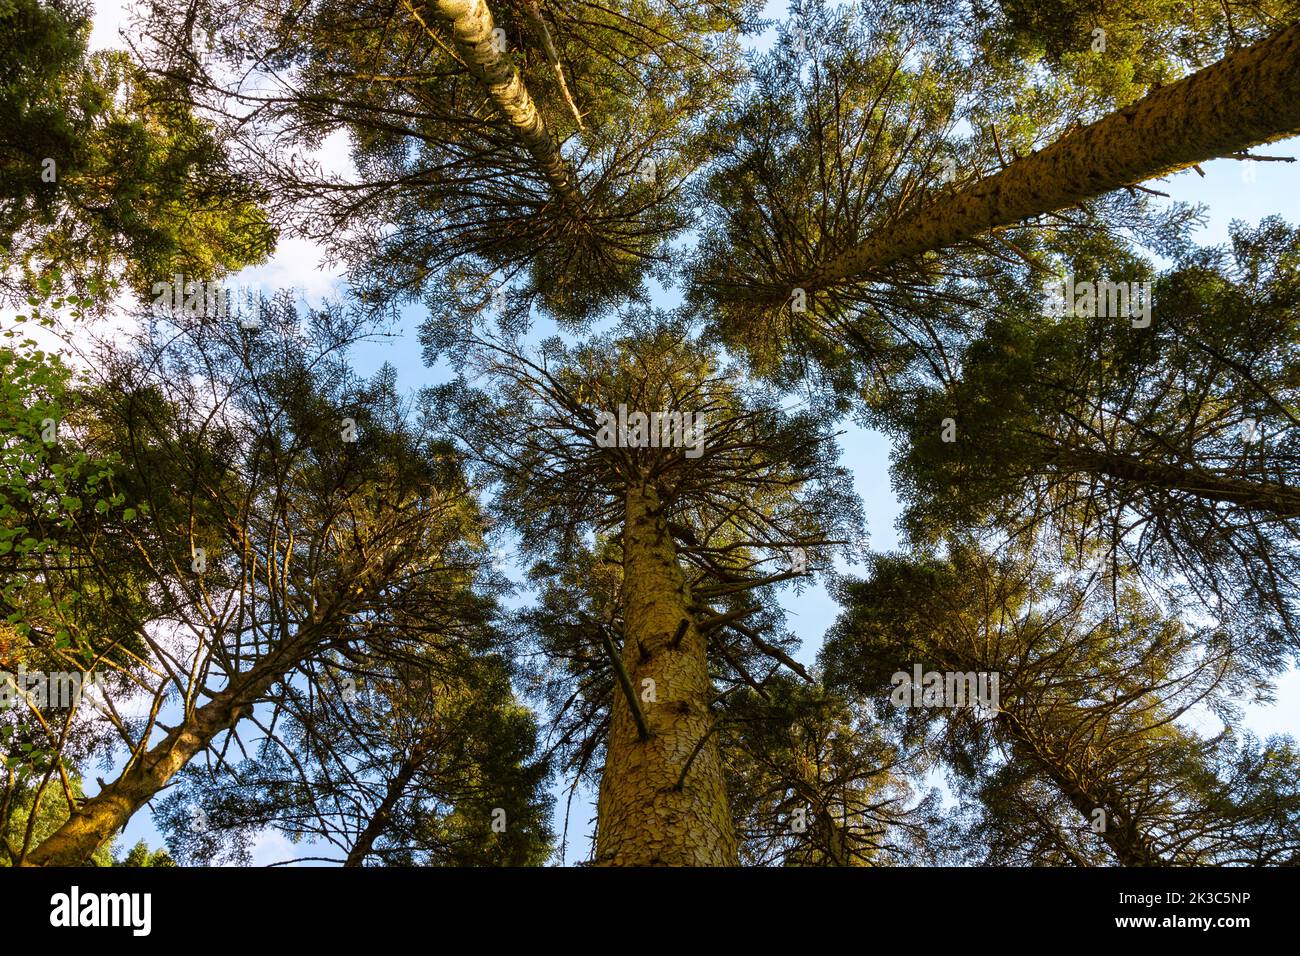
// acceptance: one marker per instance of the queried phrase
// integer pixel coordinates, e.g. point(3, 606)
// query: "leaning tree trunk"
point(1249, 97)
point(472, 33)
point(1121, 834)
point(383, 814)
point(663, 799)
point(1268, 497)
point(99, 818)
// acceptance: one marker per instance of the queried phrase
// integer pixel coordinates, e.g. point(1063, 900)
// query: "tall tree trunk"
point(100, 817)
point(663, 800)
point(1249, 97)
point(472, 25)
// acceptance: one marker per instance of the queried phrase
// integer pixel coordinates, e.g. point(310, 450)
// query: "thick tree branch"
point(1249, 97)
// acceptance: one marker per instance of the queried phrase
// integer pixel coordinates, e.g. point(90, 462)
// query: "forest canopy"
point(590, 539)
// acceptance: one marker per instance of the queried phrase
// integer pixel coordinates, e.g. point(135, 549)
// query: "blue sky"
point(1230, 190)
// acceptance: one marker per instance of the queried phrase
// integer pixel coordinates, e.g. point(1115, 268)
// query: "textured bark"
point(471, 25)
point(644, 817)
point(1249, 97)
point(1272, 498)
point(100, 817)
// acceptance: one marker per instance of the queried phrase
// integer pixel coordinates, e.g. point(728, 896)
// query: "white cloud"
point(109, 24)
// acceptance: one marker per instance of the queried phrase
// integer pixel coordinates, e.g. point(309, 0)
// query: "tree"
point(1171, 446)
point(472, 32)
point(103, 169)
point(1245, 99)
point(814, 783)
point(267, 540)
point(425, 761)
point(140, 856)
point(851, 128)
point(703, 503)
point(535, 146)
point(1081, 758)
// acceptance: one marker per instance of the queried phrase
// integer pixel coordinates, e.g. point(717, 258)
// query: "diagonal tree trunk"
point(645, 817)
point(100, 817)
point(383, 813)
point(1249, 97)
point(1270, 497)
point(472, 25)
point(1048, 746)
point(1123, 836)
